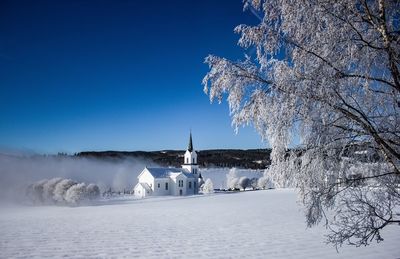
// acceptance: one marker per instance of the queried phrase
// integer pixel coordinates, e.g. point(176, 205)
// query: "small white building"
point(158, 181)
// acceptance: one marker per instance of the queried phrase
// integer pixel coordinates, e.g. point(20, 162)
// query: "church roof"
point(165, 172)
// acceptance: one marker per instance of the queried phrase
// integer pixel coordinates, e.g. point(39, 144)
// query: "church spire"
point(190, 146)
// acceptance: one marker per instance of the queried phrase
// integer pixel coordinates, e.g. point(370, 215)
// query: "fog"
point(17, 172)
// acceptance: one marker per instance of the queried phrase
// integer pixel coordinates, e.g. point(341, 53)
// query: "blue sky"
point(115, 75)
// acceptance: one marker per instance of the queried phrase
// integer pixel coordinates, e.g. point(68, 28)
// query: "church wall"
point(190, 191)
point(161, 190)
point(177, 188)
point(140, 192)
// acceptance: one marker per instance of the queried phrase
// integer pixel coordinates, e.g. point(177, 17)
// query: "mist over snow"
point(18, 172)
point(219, 175)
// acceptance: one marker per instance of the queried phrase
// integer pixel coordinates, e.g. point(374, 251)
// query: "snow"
point(259, 224)
point(218, 175)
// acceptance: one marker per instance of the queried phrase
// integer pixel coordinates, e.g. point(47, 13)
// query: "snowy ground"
point(261, 224)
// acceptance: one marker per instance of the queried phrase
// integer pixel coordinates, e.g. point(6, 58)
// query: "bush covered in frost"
point(208, 187)
point(265, 182)
point(232, 179)
point(61, 191)
point(243, 183)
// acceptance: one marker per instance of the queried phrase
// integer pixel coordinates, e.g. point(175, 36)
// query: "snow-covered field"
point(260, 224)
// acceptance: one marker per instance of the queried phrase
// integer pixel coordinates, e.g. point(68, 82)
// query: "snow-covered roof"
point(188, 175)
point(165, 172)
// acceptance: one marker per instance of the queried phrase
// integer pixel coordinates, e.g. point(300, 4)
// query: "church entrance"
point(180, 192)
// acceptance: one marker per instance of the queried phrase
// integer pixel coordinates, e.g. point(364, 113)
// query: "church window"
point(194, 185)
point(187, 160)
point(158, 185)
point(190, 185)
point(166, 186)
point(193, 160)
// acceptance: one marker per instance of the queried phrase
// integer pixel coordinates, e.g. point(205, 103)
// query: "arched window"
point(193, 160)
point(187, 160)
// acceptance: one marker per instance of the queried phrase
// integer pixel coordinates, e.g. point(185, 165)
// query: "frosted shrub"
point(76, 194)
point(48, 190)
point(61, 189)
point(93, 191)
point(265, 182)
point(232, 179)
point(254, 183)
point(208, 186)
point(35, 191)
point(243, 183)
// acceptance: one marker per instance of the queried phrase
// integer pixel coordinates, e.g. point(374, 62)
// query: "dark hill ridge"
point(250, 158)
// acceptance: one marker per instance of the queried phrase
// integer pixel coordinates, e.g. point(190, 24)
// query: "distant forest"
point(250, 158)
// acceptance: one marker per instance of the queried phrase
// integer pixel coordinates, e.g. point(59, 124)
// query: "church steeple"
point(190, 146)
point(190, 157)
point(190, 164)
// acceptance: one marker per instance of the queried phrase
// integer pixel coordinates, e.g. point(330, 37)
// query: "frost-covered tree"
point(35, 191)
point(254, 183)
point(243, 183)
point(76, 193)
point(208, 186)
point(61, 189)
point(265, 182)
point(93, 191)
point(327, 71)
point(48, 190)
point(232, 179)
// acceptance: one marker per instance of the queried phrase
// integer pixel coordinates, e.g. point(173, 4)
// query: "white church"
point(158, 181)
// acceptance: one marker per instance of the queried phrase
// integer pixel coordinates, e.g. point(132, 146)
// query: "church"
point(159, 181)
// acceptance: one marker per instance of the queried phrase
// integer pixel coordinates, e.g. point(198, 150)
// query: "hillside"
point(250, 158)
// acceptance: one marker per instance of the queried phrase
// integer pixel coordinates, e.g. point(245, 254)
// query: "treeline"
point(250, 158)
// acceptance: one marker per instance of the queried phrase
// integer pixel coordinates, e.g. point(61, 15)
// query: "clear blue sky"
point(115, 75)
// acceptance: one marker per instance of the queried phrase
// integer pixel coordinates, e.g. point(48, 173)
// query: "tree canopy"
point(327, 72)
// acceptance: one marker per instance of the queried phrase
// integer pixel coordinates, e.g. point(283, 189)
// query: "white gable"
point(146, 176)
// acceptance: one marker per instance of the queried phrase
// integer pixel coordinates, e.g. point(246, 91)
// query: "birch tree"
point(328, 73)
